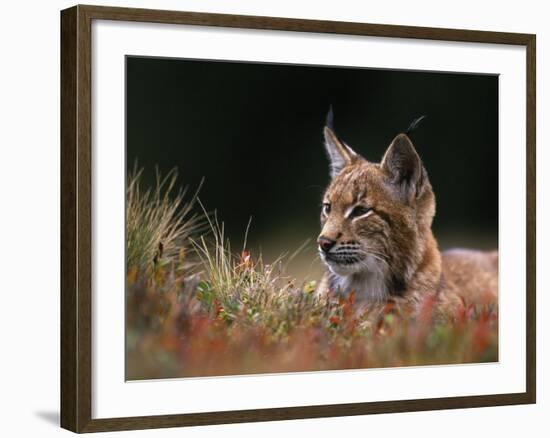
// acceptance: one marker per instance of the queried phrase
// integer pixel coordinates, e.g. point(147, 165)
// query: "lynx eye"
point(326, 208)
point(359, 211)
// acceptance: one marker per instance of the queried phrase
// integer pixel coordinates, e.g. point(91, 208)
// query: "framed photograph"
point(271, 218)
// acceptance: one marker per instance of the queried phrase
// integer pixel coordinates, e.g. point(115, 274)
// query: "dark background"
point(254, 131)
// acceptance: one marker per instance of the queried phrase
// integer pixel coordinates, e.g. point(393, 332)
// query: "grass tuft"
point(159, 221)
point(236, 287)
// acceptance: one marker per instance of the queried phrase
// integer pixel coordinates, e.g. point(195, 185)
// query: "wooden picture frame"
point(76, 217)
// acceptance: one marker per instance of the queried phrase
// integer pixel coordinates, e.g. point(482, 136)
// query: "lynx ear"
point(339, 154)
point(404, 168)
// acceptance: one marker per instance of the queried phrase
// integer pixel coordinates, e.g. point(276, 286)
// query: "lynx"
point(377, 240)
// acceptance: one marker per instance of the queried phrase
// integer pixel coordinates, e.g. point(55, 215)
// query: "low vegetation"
point(196, 308)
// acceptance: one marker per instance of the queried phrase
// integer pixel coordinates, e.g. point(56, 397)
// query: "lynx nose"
point(325, 243)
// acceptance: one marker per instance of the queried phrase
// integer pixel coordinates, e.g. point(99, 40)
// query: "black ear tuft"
point(339, 154)
point(414, 124)
point(330, 119)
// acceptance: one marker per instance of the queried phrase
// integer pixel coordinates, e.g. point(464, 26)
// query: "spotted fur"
point(376, 237)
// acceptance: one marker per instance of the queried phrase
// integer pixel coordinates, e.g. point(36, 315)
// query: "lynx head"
point(375, 216)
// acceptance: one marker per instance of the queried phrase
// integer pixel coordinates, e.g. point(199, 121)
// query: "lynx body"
point(376, 238)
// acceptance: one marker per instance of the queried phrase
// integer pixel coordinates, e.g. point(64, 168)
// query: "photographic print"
point(268, 218)
point(290, 218)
